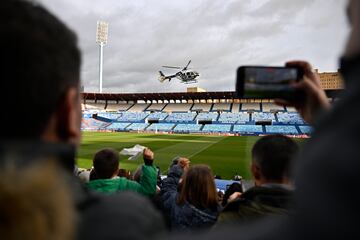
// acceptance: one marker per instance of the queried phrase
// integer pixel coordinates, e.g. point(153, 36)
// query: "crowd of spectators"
point(40, 198)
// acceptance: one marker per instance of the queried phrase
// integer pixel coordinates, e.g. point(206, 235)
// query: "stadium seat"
point(161, 127)
point(289, 118)
point(306, 129)
point(229, 117)
point(157, 115)
point(137, 126)
point(211, 128)
point(282, 129)
point(248, 129)
point(118, 126)
point(212, 116)
point(181, 117)
point(263, 116)
point(187, 128)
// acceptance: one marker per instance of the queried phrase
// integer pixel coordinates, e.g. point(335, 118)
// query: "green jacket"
point(146, 186)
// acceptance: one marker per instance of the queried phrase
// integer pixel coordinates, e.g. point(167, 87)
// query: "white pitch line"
point(202, 149)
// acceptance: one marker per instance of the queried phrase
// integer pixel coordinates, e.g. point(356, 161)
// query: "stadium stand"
point(138, 107)
point(289, 118)
point(268, 107)
point(250, 106)
point(230, 117)
point(248, 129)
point(263, 116)
point(91, 124)
point(213, 116)
point(201, 107)
point(117, 126)
point(178, 107)
point(306, 129)
point(238, 117)
point(94, 106)
point(281, 130)
point(137, 126)
point(221, 107)
point(161, 127)
point(224, 128)
point(187, 128)
point(181, 117)
point(111, 116)
point(132, 116)
point(156, 107)
point(157, 115)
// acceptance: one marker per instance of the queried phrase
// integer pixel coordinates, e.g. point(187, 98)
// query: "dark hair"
point(234, 187)
point(273, 155)
point(106, 163)
point(198, 188)
point(40, 61)
point(124, 173)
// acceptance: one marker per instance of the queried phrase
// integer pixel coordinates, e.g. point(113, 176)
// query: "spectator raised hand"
point(148, 156)
point(184, 163)
point(315, 99)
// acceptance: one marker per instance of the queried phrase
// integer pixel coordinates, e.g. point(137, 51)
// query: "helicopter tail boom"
point(162, 77)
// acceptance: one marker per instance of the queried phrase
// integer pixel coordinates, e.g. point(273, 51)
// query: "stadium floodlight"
point(101, 39)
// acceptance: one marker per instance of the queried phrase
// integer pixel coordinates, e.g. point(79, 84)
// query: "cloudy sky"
point(217, 35)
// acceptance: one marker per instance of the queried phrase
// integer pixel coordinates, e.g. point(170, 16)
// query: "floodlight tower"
point(101, 39)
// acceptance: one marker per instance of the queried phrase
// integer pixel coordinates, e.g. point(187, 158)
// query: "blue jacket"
point(183, 216)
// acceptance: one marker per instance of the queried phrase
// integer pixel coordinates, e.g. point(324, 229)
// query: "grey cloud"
point(217, 35)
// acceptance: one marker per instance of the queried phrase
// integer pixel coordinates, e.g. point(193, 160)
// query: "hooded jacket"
point(98, 216)
point(183, 216)
point(257, 202)
point(146, 186)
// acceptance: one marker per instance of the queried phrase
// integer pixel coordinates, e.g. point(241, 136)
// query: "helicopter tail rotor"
point(162, 77)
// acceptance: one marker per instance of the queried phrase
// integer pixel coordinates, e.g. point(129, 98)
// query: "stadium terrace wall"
point(150, 97)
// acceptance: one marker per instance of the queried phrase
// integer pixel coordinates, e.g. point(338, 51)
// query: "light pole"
point(101, 39)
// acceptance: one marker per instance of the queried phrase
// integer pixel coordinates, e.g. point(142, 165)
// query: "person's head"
point(353, 43)
point(106, 163)
point(234, 187)
point(40, 68)
point(271, 159)
point(198, 188)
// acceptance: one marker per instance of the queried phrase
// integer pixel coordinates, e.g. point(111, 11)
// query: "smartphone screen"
point(267, 82)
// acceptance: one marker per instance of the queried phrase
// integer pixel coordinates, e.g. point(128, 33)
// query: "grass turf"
point(226, 155)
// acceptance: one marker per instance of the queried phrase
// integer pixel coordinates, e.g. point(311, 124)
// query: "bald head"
point(353, 44)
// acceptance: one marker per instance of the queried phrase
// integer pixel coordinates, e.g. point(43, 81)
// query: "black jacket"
point(257, 202)
point(183, 216)
point(120, 216)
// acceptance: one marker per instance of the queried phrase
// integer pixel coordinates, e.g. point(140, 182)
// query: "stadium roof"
point(171, 96)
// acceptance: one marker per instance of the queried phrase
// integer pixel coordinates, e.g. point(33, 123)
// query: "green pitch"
point(226, 155)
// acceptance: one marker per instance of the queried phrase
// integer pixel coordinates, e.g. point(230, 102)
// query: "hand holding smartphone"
point(269, 82)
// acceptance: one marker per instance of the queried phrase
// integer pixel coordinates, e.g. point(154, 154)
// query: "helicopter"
point(185, 75)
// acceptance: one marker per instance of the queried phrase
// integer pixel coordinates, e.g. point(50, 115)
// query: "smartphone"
point(268, 82)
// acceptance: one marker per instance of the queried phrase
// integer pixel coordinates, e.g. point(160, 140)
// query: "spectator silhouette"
point(42, 114)
point(195, 206)
point(106, 170)
point(272, 158)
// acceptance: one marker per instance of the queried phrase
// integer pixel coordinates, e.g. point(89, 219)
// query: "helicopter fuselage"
point(187, 76)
